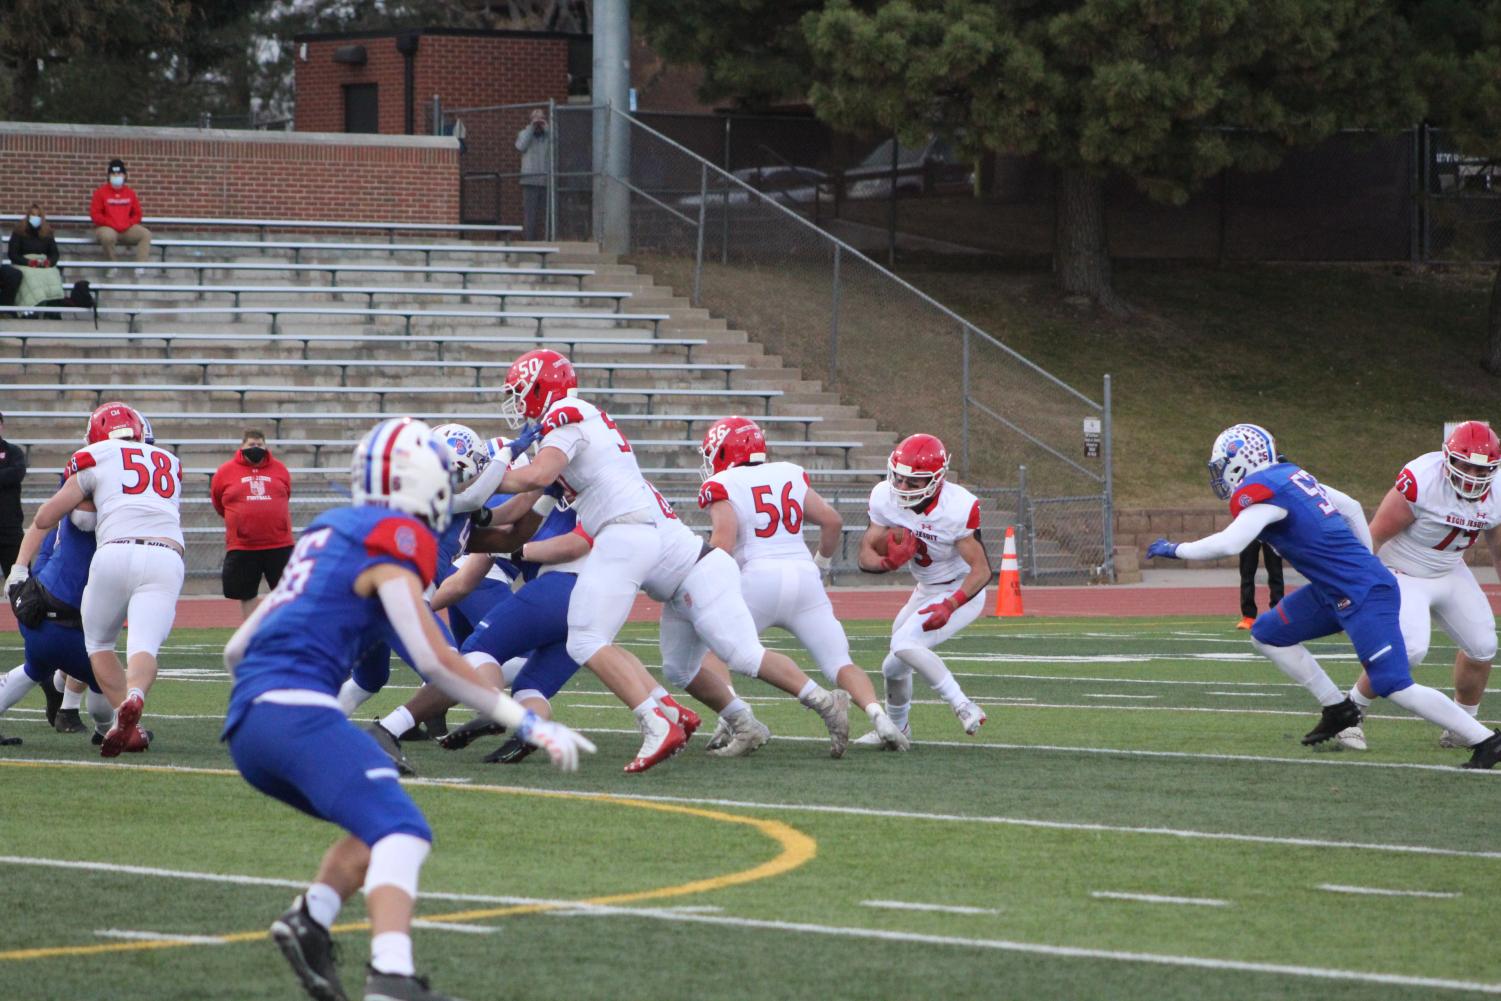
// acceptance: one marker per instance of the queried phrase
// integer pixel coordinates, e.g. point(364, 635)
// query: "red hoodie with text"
point(255, 503)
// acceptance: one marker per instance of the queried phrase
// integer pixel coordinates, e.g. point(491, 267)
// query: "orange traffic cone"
point(1008, 599)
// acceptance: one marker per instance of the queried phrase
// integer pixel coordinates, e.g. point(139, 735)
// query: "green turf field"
point(1146, 758)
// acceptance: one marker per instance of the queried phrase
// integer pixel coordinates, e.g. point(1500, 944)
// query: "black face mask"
point(254, 455)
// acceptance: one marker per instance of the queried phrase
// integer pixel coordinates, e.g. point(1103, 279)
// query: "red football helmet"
point(115, 420)
point(534, 382)
point(920, 459)
point(732, 441)
point(1472, 454)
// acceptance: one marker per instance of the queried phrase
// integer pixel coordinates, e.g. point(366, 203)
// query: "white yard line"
point(1374, 891)
point(1113, 695)
point(451, 926)
point(1153, 898)
point(1071, 952)
point(1247, 695)
point(157, 936)
point(903, 905)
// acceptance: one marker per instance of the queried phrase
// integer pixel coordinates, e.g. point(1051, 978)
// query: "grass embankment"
point(1355, 368)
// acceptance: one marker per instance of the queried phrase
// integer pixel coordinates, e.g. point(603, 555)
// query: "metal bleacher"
point(255, 331)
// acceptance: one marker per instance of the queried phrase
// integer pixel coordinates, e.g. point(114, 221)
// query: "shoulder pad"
point(407, 540)
point(1250, 493)
point(712, 491)
point(1407, 485)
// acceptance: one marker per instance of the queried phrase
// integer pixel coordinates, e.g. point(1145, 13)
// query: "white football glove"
point(824, 563)
point(561, 744)
point(18, 575)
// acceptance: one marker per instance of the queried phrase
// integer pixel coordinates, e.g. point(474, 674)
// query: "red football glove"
point(941, 611)
point(899, 549)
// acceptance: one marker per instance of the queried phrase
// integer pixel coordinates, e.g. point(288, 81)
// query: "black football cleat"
point(512, 752)
point(1336, 718)
point(68, 721)
point(9, 741)
point(437, 727)
point(54, 702)
point(395, 987)
point(1486, 753)
point(392, 747)
point(98, 737)
point(465, 734)
point(310, 951)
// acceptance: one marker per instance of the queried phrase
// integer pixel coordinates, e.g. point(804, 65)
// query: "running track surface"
point(884, 603)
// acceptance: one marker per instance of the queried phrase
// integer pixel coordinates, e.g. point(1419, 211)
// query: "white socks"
point(398, 721)
point(1298, 664)
point(71, 699)
point(735, 705)
point(1472, 711)
point(13, 687)
point(1358, 697)
point(935, 672)
point(323, 903)
point(352, 696)
point(391, 952)
point(1436, 707)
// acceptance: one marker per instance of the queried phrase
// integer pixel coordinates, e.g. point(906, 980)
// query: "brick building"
point(385, 81)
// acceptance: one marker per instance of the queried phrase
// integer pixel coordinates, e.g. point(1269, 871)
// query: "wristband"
point(958, 598)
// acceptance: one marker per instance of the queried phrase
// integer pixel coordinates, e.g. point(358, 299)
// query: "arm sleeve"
point(135, 209)
point(1349, 509)
point(484, 486)
point(216, 491)
point(711, 492)
point(405, 615)
point(1241, 533)
point(96, 207)
point(405, 542)
point(52, 255)
point(523, 139)
point(13, 248)
point(874, 509)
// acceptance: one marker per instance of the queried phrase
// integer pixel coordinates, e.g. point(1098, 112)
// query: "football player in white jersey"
point(758, 510)
point(918, 518)
point(639, 544)
point(137, 570)
point(1441, 504)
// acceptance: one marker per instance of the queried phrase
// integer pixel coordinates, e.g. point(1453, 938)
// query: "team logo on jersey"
point(1245, 500)
point(406, 541)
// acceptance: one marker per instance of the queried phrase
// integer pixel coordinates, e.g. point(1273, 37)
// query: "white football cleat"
point(720, 737)
point(834, 708)
point(895, 738)
point(876, 740)
point(1351, 738)
point(747, 734)
point(971, 717)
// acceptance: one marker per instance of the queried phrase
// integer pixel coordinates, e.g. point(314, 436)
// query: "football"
point(892, 535)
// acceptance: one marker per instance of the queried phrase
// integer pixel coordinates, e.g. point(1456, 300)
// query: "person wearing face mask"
point(33, 250)
point(116, 212)
point(252, 493)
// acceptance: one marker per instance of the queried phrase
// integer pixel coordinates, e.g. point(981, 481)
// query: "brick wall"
point(464, 69)
point(211, 172)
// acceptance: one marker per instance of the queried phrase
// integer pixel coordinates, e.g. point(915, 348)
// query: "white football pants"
point(138, 581)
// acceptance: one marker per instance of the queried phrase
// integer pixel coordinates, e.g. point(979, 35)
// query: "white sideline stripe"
point(1246, 695)
point(1374, 891)
point(1067, 951)
point(451, 926)
point(1114, 695)
point(1153, 898)
point(903, 905)
point(156, 936)
point(1123, 681)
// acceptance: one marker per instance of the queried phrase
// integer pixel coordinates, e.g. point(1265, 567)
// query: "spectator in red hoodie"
point(116, 212)
point(252, 493)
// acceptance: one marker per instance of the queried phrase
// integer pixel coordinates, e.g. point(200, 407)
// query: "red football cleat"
point(126, 718)
point(140, 740)
point(689, 720)
point(658, 749)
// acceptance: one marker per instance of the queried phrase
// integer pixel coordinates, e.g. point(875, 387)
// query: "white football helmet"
point(401, 464)
point(1238, 452)
point(147, 435)
point(470, 456)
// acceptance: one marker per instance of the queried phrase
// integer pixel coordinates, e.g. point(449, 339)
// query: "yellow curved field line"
point(797, 848)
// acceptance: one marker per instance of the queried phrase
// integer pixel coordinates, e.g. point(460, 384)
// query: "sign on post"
point(1092, 437)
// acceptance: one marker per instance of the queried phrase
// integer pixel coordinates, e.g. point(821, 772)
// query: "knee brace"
point(395, 860)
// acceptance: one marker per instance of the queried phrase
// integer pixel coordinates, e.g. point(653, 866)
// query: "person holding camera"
point(533, 144)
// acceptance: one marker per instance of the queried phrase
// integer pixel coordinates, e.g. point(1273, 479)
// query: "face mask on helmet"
point(916, 470)
point(470, 456)
point(734, 441)
point(1238, 452)
point(535, 381)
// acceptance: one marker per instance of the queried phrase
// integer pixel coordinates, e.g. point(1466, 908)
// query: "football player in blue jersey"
point(1324, 533)
point(356, 572)
point(47, 612)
